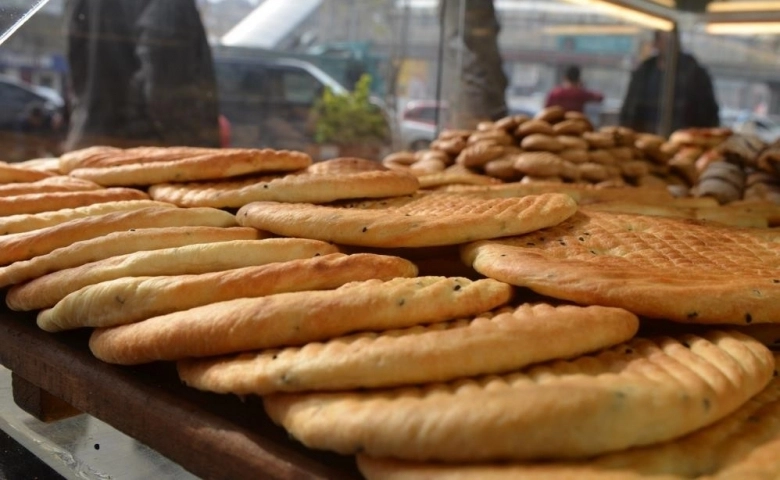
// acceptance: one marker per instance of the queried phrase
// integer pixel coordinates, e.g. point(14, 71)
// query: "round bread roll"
point(570, 141)
point(593, 172)
point(599, 139)
point(602, 157)
point(622, 154)
point(552, 114)
point(574, 155)
point(452, 146)
point(570, 127)
point(503, 168)
point(539, 142)
point(498, 137)
point(532, 127)
point(539, 164)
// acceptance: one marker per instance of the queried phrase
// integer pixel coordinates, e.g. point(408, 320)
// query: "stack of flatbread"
point(578, 342)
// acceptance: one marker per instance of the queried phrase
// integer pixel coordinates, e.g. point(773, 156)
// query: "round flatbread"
point(46, 291)
point(50, 184)
point(51, 201)
point(490, 343)
point(207, 166)
point(119, 243)
point(12, 174)
point(323, 182)
point(35, 221)
point(24, 246)
point(665, 268)
point(639, 393)
point(414, 221)
point(297, 318)
point(743, 442)
point(129, 300)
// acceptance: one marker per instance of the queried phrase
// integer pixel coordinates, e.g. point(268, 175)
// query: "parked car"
point(269, 101)
point(418, 123)
point(31, 120)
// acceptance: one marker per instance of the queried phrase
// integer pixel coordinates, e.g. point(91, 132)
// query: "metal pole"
point(461, 47)
point(670, 82)
point(440, 65)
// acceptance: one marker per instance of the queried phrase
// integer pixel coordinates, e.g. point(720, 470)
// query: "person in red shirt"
point(571, 95)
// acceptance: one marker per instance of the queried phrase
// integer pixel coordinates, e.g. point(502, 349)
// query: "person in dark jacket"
point(694, 97)
point(141, 73)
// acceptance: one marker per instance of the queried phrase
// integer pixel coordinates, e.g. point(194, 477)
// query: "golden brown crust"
point(51, 201)
point(455, 175)
point(133, 299)
point(49, 184)
point(679, 270)
point(322, 183)
point(12, 174)
point(742, 445)
point(490, 343)
point(119, 243)
point(33, 221)
point(46, 291)
point(415, 221)
point(207, 166)
point(297, 318)
point(642, 392)
point(24, 246)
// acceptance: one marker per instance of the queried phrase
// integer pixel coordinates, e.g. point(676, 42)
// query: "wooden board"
point(212, 436)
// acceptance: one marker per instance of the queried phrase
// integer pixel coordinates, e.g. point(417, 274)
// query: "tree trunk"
point(473, 81)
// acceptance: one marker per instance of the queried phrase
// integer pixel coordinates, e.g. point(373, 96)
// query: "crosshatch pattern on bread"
point(657, 267)
point(342, 178)
point(413, 221)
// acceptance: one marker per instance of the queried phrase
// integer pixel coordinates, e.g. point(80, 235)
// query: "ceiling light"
point(628, 14)
point(764, 6)
point(590, 30)
point(743, 28)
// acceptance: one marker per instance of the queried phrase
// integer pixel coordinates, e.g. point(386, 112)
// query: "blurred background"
point(274, 58)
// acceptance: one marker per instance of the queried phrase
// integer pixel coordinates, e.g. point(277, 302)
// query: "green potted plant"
point(350, 124)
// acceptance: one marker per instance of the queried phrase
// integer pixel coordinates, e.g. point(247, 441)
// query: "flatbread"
point(119, 243)
point(323, 182)
point(129, 300)
point(46, 291)
point(639, 393)
point(49, 184)
point(456, 175)
point(490, 343)
point(656, 267)
point(297, 318)
point(24, 246)
point(51, 201)
point(746, 441)
point(711, 214)
point(414, 221)
point(208, 166)
point(12, 174)
point(34, 221)
point(48, 164)
point(94, 157)
point(83, 157)
point(584, 194)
